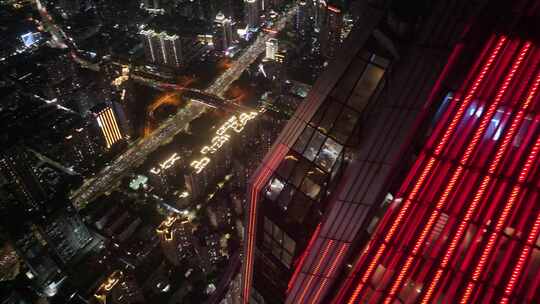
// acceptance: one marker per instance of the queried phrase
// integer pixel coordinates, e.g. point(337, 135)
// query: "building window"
point(365, 87)
point(275, 186)
point(303, 140)
point(314, 146)
point(278, 242)
point(328, 155)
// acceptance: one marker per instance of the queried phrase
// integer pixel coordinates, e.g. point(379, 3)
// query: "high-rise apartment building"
point(108, 124)
point(330, 34)
point(315, 199)
point(83, 148)
point(162, 48)
point(272, 47)
point(223, 33)
point(303, 21)
point(251, 13)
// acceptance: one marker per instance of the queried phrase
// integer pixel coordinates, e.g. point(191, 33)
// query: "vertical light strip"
point(103, 130)
point(523, 257)
point(114, 124)
point(107, 119)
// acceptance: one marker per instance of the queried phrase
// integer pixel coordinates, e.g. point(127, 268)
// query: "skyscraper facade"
point(291, 190)
point(303, 20)
point(251, 13)
point(108, 125)
point(315, 199)
point(330, 34)
point(464, 224)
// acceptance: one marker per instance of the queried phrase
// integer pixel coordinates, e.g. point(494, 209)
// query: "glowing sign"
point(199, 165)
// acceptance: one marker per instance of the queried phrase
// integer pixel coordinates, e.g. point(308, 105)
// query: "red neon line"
point(323, 257)
point(303, 257)
point(255, 194)
point(479, 269)
point(319, 290)
point(305, 289)
point(341, 252)
point(523, 257)
point(486, 119)
point(329, 244)
point(280, 151)
point(476, 200)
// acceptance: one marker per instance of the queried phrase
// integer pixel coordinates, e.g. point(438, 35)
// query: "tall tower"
point(223, 34)
point(272, 47)
point(251, 8)
point(108, 125)
point(331, 31)
point(292, 191)
point(302, 22)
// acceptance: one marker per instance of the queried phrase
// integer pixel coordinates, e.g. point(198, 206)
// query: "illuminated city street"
point(138, 151)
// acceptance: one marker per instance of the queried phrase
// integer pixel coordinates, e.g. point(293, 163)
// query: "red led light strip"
point(256, 187)
point(531, 159)
point(331, 270)
point(322, 285)
point(486, 119)
point(341, 251)
point(523, 257)
point(456, 239)
point(429, 166)
point(308, 286)
point(329, 244)
point(303, 257)
point(316, 269)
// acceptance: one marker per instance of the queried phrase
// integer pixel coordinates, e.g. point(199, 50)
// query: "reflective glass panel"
point(274, 188)
point(329, 154)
